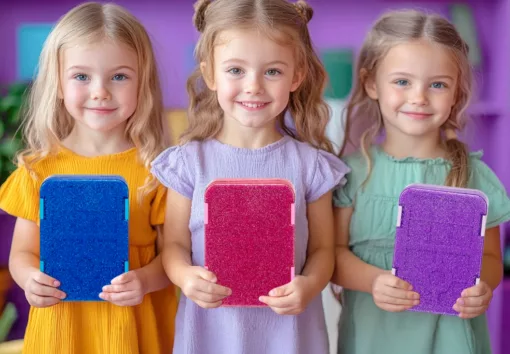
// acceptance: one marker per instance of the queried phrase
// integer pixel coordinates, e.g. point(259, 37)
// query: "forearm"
point(154, 275)
point(492, 271)
point(319, 268)
point(21, 265)
point(352, 273)
point(175, 259)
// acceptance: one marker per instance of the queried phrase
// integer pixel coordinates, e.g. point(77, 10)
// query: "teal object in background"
point(30, 40)
point(339, 65)
point(463, 19)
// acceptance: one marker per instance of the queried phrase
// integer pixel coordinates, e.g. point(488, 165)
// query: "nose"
point(99, 92)
point(254, 84)
point(418, 96)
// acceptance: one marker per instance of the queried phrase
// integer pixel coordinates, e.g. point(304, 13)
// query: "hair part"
point(281, 21)
point(46, 121)
point(364, 121)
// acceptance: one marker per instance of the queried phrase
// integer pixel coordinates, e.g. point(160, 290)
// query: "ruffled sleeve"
point(19, 195)
point(172, 170)
point(158, 207)
point(329, 173)
point(485, 180)
point(343, 196)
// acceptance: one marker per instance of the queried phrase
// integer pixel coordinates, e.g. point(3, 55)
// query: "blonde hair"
point(363, 115)
point(306, 105)
point(46, 120)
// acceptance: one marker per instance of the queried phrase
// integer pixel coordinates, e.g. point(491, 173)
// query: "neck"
point(88, 142)
point(232, 133)
point(402, 145)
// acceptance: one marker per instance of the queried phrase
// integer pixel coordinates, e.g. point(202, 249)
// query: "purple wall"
point(336, 24)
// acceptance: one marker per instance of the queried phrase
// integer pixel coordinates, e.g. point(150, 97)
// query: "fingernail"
point(272, 293)
point(460, 302)
point(56, 283)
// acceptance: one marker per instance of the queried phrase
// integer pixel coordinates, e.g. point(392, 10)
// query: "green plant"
point(11, 141)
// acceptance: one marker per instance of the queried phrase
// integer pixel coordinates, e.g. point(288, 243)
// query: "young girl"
point(256, 60)
point(414, 86)
point(95, 108)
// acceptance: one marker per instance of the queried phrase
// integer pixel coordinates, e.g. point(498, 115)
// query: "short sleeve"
point(19, 195)
point(329, 173)
point(172, 170)
point(158, 207)
point(485, 180)
point(343, 196)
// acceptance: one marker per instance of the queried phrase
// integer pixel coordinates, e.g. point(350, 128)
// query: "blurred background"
point(337, 28)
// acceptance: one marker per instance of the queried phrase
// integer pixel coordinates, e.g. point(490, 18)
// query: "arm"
point(40, 289)
point(350, 271)
point(197, 283)
point(176, 253)
point(492, 264)
point(320, 259)
point(24, 256)
point(390, 293)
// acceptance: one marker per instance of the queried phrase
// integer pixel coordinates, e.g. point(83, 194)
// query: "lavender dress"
point(188, 169)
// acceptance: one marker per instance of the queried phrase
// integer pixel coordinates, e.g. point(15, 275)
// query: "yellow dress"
point(99, 327)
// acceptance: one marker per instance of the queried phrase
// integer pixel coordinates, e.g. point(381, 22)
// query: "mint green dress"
point(363, 327)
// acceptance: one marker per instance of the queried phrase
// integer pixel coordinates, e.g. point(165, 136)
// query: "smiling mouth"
point(102, 110)
point(417, 115)
point(253, 105)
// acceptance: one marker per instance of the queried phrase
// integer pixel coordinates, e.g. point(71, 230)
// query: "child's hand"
point(474, 301)
point(289, 299)
point(393, 294)
point(127, 289)
point(199, 286)
point(41, 290)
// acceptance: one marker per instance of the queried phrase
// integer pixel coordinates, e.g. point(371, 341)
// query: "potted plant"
point(11, 101)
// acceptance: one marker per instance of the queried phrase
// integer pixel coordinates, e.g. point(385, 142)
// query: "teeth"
point(253, 105)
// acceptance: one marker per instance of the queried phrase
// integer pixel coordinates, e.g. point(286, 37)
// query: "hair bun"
point(304, 10)
point(199, 16)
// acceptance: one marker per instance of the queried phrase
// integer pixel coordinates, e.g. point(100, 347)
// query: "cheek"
point(75, 93)
point(391, 97)
point(227, 89)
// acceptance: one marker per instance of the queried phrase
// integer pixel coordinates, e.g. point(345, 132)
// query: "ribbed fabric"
point(99, 327)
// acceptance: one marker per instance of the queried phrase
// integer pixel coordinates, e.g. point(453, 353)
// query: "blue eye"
point(438, 85)
point(273, 72)
point(235, 71)
point(81, 77)
point(402, 82)
point(120, 77)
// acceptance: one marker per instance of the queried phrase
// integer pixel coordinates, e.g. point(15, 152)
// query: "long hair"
point(281, 21)
point(47, 122)
point(364, 121)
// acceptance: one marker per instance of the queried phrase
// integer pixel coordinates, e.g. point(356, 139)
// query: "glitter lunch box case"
point(439, 243)
point(84, 232)
point(249, 236)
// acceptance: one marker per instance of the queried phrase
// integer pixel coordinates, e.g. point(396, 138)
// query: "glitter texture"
point(84, 232)
point(438, 246)
point(249, 236)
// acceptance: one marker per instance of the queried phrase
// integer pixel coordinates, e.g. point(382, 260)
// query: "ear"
point(368, 84)
point(208, 76)
point(299, 76)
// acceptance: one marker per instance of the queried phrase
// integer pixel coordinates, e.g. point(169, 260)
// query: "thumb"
point(283, 290)
point(207, 275)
